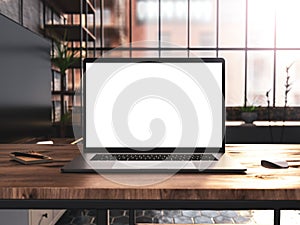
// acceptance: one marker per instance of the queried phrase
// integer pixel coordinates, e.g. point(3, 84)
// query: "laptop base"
point(225, 164)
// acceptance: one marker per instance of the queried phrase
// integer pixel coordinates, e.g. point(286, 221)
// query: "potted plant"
point(249, 114)
point(64, 58)
point(65, 120)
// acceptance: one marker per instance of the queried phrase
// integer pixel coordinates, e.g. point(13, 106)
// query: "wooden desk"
point(44, 186)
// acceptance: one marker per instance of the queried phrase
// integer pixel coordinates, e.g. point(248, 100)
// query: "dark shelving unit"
point(69, 21)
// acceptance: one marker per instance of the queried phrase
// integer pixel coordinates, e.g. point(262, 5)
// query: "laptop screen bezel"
point(159, 149)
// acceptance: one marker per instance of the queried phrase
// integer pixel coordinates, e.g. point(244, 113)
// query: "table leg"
point(102, 217)
point(277, 217)
point(131, 216)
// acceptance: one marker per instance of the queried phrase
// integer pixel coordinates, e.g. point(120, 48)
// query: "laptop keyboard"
point(154, 157)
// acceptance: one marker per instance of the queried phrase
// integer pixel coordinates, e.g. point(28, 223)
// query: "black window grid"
point(190, 49)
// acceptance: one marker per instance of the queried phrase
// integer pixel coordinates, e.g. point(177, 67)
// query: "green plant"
point(269, 114)
point(250, 108)
point(66, 118)
point(65, 57)
point(288, 88)
point(287, 85)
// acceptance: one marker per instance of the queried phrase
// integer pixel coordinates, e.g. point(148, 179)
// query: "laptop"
point(154, 115)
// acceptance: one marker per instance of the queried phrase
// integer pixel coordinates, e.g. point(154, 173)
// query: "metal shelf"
point(72, 32)
point(71, 6)
point(63, 92)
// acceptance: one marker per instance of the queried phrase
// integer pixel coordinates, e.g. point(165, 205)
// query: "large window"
point(257, 38)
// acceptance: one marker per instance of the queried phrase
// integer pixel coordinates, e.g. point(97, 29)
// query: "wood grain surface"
point(45, 181)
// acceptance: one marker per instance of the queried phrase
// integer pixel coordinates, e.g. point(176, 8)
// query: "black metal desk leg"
point(131, 217)
point(102, 217)
point(277, 217)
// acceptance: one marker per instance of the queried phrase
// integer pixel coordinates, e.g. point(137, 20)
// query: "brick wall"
point(29, 15)
point(11, 9)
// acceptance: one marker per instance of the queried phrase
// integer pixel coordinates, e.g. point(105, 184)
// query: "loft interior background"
point(258, 38)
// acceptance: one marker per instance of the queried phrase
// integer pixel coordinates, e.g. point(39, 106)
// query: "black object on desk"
point(30, 157)
point(275, 164)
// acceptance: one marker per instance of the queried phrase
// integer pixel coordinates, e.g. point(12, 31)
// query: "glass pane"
point(290, 217)
point(10, 9)
point(115, 23)
point(288, 16)
point(77, 79)
point(68, 103)
point(260, 77)
point(203, 23)
point(232, 21)
point(69, 80)
point(235, 77)
point(145, 21)
point(261, 23)
point(174, 22)
point(144, 54)
point(289, 59)
point(98, 24)
point(203, 54)
point(56, 108)
point(116, 53)
point(182, 54)
point(55, 83)
point(77, 99)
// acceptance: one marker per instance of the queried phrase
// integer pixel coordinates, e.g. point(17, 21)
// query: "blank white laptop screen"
point(150, 104)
